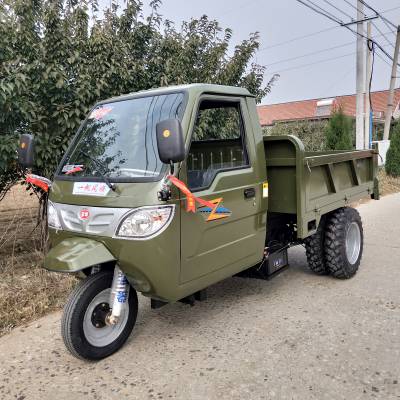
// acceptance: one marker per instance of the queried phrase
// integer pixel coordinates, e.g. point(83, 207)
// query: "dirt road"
point(299, 336)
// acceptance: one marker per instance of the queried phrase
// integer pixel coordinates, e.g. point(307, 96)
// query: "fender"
point(76, 254)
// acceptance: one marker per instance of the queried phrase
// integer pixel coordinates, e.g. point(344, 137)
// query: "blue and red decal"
point(218, 211)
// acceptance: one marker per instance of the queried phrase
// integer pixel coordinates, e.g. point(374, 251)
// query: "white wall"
point(383, 147)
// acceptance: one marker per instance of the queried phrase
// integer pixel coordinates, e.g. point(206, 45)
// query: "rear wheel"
point(84, 326)
point(315, 250)
point(344, 242)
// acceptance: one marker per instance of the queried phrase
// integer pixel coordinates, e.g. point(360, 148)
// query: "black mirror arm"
point(165, 193)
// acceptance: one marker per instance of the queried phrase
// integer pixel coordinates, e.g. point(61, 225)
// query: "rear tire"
point(84, 334)
point(344, 242)
point(315, 250)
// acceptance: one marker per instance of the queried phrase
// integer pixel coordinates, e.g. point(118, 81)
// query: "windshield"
point(118, 139)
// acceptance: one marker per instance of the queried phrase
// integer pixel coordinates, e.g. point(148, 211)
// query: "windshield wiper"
point(100, 165)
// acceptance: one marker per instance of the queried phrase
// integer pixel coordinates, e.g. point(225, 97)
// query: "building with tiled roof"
point(315, 109)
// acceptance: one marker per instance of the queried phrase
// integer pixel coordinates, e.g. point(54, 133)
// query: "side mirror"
point(171, 147)
point(26, 150)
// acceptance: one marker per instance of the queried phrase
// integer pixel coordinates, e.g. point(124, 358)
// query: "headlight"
point(52, 217)
point(145, 222)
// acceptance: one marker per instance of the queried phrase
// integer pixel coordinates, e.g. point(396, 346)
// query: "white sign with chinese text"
point(91, 188)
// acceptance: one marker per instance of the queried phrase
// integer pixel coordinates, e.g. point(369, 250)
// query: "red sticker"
point(99, 113)
point(84, 214)
point(77, 168)
point(39, 181)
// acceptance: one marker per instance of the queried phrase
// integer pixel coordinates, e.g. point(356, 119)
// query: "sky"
point(279, 22)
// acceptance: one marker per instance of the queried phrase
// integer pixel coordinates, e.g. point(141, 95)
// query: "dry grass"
point(387, 183)
point(27, 291)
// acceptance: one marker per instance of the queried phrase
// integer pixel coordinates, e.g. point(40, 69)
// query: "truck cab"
point(224, 163)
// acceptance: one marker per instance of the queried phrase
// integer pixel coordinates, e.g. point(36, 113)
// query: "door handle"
point(249, 193)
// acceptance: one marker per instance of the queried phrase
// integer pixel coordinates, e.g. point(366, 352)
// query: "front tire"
point(82, 328)
point(344, 242)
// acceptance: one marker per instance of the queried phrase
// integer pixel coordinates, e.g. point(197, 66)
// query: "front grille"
point(101, 221)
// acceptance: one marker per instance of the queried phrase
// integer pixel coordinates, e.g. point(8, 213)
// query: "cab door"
point(229, 236)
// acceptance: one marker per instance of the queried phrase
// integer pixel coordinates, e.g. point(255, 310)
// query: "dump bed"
point(311, 184)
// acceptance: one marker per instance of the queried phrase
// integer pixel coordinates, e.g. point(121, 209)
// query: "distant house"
point(321, 109)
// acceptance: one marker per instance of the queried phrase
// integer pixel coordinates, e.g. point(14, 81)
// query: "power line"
point(295, 39)
point(351, 4)
point(377, 13)
point(338, 21)
point(390, 65)
point(298, 38)
point(310, 54)
point(382, 12)
point(386, 23)
point(319, 51)
point(390, 9)
point(315, 62)
point(383, 34)
point(380, 47)
point(384, 60)
point(321, 11)
point(338, 9)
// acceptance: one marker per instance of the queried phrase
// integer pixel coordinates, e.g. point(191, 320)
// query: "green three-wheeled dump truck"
point(171, 190)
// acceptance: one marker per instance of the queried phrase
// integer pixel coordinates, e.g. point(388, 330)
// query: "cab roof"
point(194, 88)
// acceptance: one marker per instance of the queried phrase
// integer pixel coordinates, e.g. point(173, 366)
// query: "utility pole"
point(360, 78)
point(367, 125)
point(389, 108)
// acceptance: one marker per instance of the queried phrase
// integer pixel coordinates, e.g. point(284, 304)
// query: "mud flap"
point(76, 254)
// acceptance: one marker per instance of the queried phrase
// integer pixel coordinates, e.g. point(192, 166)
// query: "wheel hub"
point(100, 314)
point(103, 334)
point(353, 242)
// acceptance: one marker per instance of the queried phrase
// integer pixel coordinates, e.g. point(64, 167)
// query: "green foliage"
point(311, 133)
point(218, 123)
point(392, 165)
point(59, 57)
point(339, 131)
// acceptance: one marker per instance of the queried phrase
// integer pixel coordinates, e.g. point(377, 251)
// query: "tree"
point(392, 165)
point(338, 132)
point(311, 133)
point(58, 58)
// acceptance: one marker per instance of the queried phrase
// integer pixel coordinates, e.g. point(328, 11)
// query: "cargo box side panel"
point(282, 158)
point(334, 181)
point(365, 169)
point(282, 189)
point(319, 184)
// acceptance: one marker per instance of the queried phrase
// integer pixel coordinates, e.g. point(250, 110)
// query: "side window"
point(217, 143)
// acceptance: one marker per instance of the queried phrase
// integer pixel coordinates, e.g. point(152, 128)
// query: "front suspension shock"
point(119, 295)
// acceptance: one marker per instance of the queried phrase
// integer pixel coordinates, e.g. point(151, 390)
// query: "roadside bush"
point(338, 133)
point(311, 133)
point(392, 165)
point(58, 58)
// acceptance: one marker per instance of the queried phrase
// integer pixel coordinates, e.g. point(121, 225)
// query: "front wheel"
point(84, 326)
